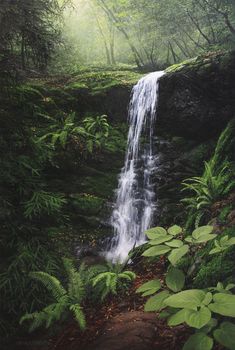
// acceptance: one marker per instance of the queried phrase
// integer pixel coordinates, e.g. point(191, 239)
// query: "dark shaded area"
point(197, 98)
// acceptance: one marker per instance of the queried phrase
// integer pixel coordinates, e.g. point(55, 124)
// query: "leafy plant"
point(215, 268)
point(62, 131)
point(99, 128)
point(43, 202)
point(164, 241)
point(197, 309)
point(210, 187)
point(109, 282)
point(65, 300)
point(194, 307)
point(216, 181)
point(223, 244)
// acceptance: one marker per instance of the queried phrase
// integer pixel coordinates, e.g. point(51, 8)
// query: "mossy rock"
point(197, 97)
point(104, 80)
point(86, 204)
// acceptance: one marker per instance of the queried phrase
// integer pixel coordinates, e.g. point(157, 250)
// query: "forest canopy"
point(145, 33)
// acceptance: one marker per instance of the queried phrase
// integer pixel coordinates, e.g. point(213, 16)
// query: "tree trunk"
point(174, 55)
point(195, 22)
point(111, 45)
point(115, 21)
point(23, 51)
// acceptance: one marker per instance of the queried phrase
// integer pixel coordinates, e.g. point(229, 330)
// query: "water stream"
point(135, 197)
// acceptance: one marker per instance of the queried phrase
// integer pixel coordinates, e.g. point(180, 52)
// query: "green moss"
point(177, 67)
point(202, 63)
point(76, 86)
point(103, 80)
point(86, 204)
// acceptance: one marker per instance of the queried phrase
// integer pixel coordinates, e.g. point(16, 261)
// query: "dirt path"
point(134, 330)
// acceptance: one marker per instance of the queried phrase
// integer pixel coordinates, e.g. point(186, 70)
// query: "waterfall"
point(135, 198)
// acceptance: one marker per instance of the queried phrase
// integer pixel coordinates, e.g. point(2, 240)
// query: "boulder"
point(197, 97)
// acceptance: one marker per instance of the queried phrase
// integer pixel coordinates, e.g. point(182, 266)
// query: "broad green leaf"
point(220, 286)
point(225, 335)
point(199, 341)
point(177, 318)
point(151, 286)
point(208, 299)
point(224, 239)
point(188, 299)
point(175, 279)
point(154, 232)
point(210, 325)
point(149, 292)
point(160, 239)
point(224, 304)
point(230, 286)
point(205, 238)
point(174, 230)
point(189, 239)
point(163, 315)
point(231, 241)
point(156, 302)
point(198, 319)
point(215, 251)
point(203, 230)
point(156, 251)
point(175, 243)
point(177, 254)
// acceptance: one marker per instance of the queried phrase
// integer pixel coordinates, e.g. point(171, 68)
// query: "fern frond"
point(76, 288)
point(98, 278)
point(79, 315)
point(37, 319)
point(131, 275)
point(51, 283)
point(113, 284)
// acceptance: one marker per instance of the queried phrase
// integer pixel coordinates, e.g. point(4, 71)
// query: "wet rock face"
point(197, 98)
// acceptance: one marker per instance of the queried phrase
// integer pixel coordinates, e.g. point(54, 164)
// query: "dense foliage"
point(29, 31)
point(199, 309)
point(151, 33)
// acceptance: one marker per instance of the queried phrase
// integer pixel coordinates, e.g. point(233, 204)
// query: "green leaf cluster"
point(222, 244)
point(199, 309)
point(166, 242)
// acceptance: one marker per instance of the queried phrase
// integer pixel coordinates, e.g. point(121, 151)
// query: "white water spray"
point(135, 199)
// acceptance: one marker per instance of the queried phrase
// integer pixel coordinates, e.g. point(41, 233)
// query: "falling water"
point(135, 199)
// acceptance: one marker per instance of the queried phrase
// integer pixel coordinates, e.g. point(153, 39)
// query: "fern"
point(217, 180)
point(43, 202)
point(109, 281)
point(52, 284)
point(225, 146)
point(78, 315)
point(65, 300)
